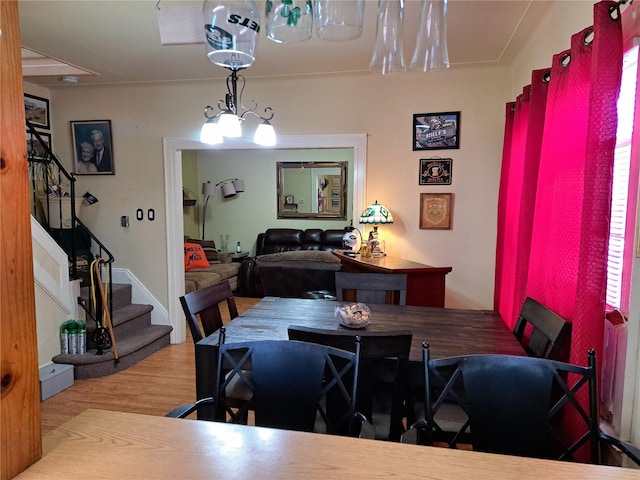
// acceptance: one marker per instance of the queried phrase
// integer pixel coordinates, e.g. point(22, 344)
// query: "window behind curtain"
point(617, 294)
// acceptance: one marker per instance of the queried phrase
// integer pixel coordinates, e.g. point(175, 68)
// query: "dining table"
point(448, 331)
point(100, 444)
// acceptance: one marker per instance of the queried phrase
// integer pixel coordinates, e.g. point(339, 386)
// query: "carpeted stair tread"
point(126, 313)
point(131, 350)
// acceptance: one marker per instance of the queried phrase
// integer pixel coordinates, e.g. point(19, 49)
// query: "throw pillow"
point(194, 257)
point(209, 248)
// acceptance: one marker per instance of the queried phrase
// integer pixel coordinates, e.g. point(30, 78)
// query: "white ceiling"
point(118, 41)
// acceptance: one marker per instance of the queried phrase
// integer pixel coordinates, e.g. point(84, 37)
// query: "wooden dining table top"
point(449, 332)
point(100, 444)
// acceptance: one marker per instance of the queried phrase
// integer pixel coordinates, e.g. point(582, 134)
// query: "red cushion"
point(194, 257)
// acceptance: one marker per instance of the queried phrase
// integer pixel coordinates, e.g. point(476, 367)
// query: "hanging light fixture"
point(227, 121)
point(431, 51)
point(231, 30)
point(388, 54)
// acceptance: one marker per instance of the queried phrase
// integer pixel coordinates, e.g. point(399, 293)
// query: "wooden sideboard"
point(425, 284)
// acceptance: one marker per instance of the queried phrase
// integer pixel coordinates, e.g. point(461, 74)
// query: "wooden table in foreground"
point(425, 284)
point(449, 332)
point(100, 444)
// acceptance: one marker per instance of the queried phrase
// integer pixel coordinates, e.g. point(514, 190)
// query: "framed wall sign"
point(435, 171)
point(36, 110)
point(92, 147)
point(435, 211)
point(436, 131)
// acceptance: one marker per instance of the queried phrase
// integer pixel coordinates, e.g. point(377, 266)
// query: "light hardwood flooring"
point(154, 386)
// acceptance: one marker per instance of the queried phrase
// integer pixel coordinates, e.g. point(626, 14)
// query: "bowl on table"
point(355, 315)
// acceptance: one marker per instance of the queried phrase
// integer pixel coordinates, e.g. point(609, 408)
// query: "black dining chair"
point(294, 386)
point(542, 332)
point(382, 382)
point(516, 405)
point(204, 304)
point(374, 288)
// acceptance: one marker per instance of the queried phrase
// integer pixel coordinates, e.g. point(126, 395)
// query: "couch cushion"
point(202, 278)
point(300, 259)
point(194, 257)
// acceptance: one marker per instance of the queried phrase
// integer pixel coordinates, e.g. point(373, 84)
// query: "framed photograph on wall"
point(36, 110)
point(35, 149)
point(436, 131)
point(435, 211)
point(92, 147)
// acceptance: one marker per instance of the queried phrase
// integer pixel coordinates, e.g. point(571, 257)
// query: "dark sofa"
point(290, 262)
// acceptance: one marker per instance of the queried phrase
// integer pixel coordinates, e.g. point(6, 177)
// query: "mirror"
point(312, 190)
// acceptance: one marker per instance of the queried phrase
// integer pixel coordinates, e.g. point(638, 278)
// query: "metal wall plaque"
point(435, 171)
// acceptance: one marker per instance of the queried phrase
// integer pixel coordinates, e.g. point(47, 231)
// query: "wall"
point(142, 115)
point(253, 211)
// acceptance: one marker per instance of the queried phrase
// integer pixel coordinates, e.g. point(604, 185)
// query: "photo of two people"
point(92, 147)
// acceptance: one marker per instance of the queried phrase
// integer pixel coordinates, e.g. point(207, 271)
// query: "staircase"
point(135, 337)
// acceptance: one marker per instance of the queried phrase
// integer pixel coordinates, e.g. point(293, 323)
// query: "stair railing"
point(56, 182)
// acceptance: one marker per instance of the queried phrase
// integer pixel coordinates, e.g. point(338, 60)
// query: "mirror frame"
point(280, 192)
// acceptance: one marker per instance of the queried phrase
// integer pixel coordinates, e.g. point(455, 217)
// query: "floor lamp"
point(208, 189)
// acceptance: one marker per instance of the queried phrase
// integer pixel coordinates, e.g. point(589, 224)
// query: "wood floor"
point(154, 386)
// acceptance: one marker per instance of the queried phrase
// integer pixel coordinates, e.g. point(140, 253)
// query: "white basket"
point(52, 213)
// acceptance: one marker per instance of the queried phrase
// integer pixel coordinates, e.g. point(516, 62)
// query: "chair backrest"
point(549, 335)
point(383, 360)
point(295, 385)
point(374, 288)
point(513, 405)
point(204, 303)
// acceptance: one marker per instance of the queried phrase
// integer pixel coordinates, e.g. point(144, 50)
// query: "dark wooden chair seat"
point(542, 332)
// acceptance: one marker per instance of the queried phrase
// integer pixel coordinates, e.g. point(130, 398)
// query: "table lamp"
point(376, 214)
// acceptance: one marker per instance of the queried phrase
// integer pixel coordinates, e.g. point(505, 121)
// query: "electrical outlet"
point(124, 221)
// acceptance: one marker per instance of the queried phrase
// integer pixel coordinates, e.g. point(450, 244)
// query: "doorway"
point(172, 152)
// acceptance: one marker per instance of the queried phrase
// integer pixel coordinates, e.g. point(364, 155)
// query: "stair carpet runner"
point(135, 337)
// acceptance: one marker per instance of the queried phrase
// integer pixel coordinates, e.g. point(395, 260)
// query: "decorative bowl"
point(356, 315)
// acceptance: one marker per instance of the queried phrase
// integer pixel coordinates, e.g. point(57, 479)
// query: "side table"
point(238, 257)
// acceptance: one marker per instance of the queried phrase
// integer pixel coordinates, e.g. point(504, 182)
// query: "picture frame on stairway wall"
point(92, 147)
point(36, 110)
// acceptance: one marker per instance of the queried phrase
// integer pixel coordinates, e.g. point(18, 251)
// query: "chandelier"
point(231, 31)
point(227, 120)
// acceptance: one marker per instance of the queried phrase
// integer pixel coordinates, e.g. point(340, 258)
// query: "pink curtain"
point(553, 212)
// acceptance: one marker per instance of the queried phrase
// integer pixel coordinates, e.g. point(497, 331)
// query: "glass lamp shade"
point(288, 21)
point(388, 56)
point(265, 134)
point(431, 46)
point(231, 32)
point(230, 125)
point(376, 214)
point(339, 20)
point(210, 132)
